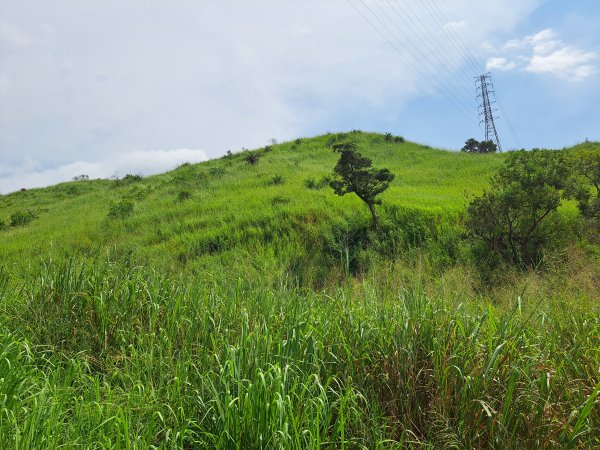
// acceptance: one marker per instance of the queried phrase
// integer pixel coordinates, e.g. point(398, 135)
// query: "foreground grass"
point(97, 355)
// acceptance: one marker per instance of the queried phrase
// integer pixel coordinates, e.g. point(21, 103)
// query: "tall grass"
point(97, 355)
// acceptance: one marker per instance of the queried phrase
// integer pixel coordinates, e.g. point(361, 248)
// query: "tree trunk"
point(374, 214)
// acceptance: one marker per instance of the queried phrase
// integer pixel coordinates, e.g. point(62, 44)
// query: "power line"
point(457, 102)
point(509, 122)
point(419, 59)
point(415, 47)
point(438, 16)
point(432, 46)
point(464, 49)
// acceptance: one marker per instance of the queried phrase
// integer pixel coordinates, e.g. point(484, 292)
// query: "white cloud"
point(566, 62)
point(80, 79)
point(30, 173)
point(546, 53)
point(500, 64)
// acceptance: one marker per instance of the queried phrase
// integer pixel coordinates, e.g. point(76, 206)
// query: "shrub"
point(276, 180)
point(21, 218)
point(399, 139)
point(121, 209)
point(82, 177)
point(313, 183)
point(252, 158)
point(184, 195)
point(526, 191)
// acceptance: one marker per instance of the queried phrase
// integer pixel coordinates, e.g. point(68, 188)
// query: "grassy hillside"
point(231, 202)
point(237, 306)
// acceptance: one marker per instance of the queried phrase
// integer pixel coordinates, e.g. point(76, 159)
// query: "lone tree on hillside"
point(474, 146)
point(355, 173)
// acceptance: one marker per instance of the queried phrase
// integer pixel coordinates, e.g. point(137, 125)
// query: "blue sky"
point(108, 87)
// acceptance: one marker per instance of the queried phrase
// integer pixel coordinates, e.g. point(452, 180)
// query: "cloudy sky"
point(107, 87)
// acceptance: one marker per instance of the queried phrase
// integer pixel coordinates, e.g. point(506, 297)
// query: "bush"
point(252, 158)
point(121, 210)
point(21, 218)
point(526, 191)
point(276, 180)
point(184, 195)
point(313, 183)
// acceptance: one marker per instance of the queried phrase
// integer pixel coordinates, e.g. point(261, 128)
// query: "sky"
point(107, 87)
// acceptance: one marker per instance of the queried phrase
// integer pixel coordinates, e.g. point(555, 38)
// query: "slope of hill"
point(245, 306)
point(208, 208)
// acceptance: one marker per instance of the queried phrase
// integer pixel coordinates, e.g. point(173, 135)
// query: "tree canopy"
point(355, 173)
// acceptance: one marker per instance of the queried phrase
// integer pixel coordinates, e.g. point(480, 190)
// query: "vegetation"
point(121, 209)
point(253, 314)
point(585, 183)
point(20, 218)
point(354, 173)
point(524, 193)
point(252, 158)
point(474, 146)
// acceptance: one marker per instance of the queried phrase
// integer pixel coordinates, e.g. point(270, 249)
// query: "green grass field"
point(246, 306)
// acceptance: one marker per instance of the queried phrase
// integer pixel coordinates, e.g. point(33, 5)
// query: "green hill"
point(199, 210)
point(245, 306)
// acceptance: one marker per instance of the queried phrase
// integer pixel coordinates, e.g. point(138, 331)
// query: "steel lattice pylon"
point(484, 87)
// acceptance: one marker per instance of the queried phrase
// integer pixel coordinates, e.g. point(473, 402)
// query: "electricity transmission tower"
point(484, 87)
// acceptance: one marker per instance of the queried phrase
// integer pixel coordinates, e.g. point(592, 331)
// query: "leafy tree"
point(474, 146)
point(355, 173)
point(526, 191)
point(487, 147)
point(471, 146)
